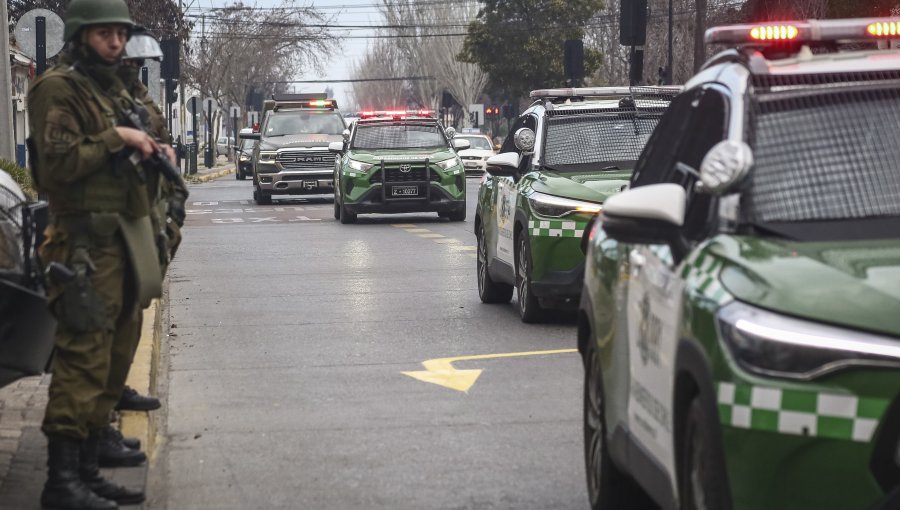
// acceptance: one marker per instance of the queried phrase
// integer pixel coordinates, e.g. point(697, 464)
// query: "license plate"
point(470, 165)
point(404, 191)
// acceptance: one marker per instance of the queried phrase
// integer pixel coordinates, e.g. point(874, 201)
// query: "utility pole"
point(669, 72)
point(7, 144)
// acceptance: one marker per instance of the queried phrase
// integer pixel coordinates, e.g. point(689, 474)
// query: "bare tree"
point(382, 60)
point(242, 48)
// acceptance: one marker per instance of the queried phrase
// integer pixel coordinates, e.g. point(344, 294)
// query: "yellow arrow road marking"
point(440, 371)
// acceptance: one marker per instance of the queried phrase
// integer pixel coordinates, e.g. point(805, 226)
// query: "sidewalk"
point(23, 448)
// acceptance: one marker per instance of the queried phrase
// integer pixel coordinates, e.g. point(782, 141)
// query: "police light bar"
point(809, 31)
point(579, 92)
point(396, 114)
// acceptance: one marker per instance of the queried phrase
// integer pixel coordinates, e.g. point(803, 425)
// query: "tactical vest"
point(117, 187)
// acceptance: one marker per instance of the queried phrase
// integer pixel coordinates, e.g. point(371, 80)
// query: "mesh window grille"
point(11, 240)
point(826, 147)
point(398, 136)
point(616, 133)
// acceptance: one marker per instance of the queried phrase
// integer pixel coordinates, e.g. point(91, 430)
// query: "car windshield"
point(587, 140)
point(478, 142)
point(304, 122)
point(247, 145)
point(398, 135)
point(830, 155)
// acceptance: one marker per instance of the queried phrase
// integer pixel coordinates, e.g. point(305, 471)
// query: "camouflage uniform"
point(101, 232)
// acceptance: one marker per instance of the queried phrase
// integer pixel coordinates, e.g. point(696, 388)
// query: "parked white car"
point(475, 157)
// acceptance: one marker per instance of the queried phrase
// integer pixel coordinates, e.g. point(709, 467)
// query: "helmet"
point(142, 45)
point(82, 13)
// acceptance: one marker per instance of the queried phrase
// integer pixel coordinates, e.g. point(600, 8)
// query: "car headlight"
point(267, 156)
point(447, 164)
point(359, 166)
point(244, 157)
point(777, 345)
point(550, 206)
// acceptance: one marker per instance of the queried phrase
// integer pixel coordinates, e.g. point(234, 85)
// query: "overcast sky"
point(338, 66)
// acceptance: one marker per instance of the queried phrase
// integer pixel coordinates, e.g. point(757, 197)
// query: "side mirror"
point(336, 147)
point(460, 144)
point(524, 140)
point(504, 165)
point(651, 214)
point(346, 135)
point(250, 136)
point(725, 165)
point(450, 132)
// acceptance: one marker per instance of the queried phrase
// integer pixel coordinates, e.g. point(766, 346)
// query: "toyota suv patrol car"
point(399, 162)
point(292, 155)
point(740, 320)
point(564, 157)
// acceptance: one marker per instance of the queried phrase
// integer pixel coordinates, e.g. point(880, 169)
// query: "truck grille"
point(414, 174)
point(303, 160)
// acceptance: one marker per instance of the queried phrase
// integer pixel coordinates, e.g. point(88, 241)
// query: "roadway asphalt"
point(283, 375)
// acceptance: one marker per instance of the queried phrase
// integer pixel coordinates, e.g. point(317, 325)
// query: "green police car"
point(565, 155)
point(740, 319)
point(399, 162)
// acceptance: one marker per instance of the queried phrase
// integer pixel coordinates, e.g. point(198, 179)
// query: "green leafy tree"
point(519, 43)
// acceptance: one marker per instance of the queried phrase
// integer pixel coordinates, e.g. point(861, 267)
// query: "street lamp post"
point(669, 72)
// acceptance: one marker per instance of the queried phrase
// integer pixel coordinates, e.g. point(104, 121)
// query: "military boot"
point(64, 489)
point(89, 471)
point(131, 400)
point(113, 453)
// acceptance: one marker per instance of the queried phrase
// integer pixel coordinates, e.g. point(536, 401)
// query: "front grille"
point(303, 160)
point(413, 175)
point(471, 158)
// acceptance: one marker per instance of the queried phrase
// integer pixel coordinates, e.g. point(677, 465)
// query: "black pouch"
point(80, 309)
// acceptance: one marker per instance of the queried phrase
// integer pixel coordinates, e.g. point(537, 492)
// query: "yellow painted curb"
point(142, 377)
point(211, 176)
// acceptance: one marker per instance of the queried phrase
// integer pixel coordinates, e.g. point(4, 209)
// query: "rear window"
point(398, 136)
point(824, 153)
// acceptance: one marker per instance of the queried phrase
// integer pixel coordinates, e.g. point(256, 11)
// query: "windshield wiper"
point(610, 167)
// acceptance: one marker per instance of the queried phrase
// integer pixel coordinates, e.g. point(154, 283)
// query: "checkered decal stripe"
point(701, 272)
point(796, 412)
point(557, 228)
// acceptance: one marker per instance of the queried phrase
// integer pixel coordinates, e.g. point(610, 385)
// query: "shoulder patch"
point(61, 132)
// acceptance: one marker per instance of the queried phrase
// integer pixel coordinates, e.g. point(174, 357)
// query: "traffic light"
point(171, 91)
point(492, 111)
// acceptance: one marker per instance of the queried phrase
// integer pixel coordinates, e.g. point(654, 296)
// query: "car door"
point(656, 291)
point(504, 199)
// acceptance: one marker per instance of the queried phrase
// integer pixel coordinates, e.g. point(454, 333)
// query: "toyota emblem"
point(405, 168)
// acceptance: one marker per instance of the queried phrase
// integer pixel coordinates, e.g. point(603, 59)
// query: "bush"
point(21, 175)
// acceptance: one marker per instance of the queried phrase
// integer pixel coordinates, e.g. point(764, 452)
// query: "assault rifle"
point(133, 118)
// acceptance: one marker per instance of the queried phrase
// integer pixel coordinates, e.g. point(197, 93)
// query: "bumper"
point(297, 182)
point(560, 284)
point(474, 166)
point(373, 201)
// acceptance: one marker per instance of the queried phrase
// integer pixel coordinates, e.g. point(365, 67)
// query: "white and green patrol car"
point(565, 155)
point(399, 162)
point(740, 319)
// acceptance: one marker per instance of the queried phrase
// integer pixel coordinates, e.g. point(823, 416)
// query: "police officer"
point(167, 215)
point(100, 233)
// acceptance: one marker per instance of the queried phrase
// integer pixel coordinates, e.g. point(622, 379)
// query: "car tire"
point(530, 310)
point(237, 174)
point(458, 215)
point(347, 217)
point(608, 487)
point(337, 209)
point(262, 198)
point(703, 480)
point(488, 290)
